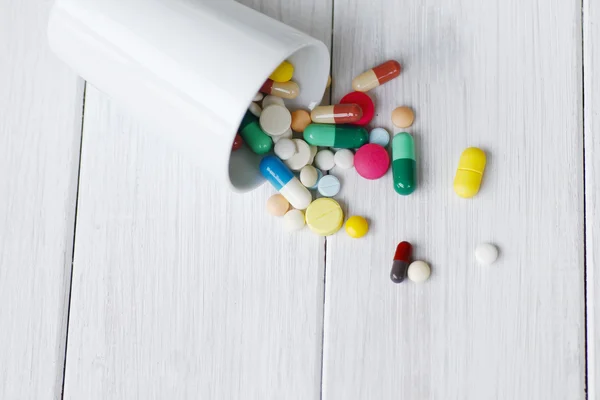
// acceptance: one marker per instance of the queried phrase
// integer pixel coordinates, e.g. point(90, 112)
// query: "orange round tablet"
point(300, 120)
point(403, 117)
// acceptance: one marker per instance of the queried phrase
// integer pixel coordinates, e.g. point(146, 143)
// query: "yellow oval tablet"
point(324, 216)
point(470, 172)
point(283, 73)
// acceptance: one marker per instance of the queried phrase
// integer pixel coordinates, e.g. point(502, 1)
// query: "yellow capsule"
point(470, 172)
point(283, 73)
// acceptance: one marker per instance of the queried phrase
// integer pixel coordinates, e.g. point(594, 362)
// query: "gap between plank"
point(585, 292)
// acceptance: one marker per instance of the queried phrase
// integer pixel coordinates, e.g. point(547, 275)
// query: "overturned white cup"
point(188, 67)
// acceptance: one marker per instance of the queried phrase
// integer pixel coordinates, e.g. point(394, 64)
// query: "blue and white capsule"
point(286, 183)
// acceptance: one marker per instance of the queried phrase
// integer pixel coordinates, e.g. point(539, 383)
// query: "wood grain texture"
point(182, 289)
point(591, 51)
point(504, 75)
point(40, 130)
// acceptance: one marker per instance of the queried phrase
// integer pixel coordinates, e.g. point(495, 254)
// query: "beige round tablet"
point(277, 205)
point(403, 117)
point(275, 120)
point(270, 100)
point(300, 120)
point(302, 156)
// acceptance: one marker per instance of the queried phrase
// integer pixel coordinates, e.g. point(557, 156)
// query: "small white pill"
point(309, 176)
point(275, 120)
point(258, 97)
point(293, 220)
point(287, 135)
point(324, 160)
point(344, 159)
point(419, 271)
point(285, 149)
point(486, 254)
point(255, 109)
point(270, 100)
point(300, 159)
point(313, 153)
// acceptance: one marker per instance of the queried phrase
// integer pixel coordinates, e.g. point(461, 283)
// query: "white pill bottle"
point(190, 68)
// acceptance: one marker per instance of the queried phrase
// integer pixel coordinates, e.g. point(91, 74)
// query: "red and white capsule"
point(337, 114)
point(401, 262)
point(286, 90)
point(377, 76)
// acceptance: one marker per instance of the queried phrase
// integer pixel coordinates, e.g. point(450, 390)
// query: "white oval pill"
point(258, 96)
point(324, 160)
point(313, 153)
point(344, 159)
point(329, 186)
point(419, 271)
point(486, 254)
point(285, 149)
point(300, 159)
point(309, 176)
point(270, 100)
point(287, 135)
point(275, 120)
point(293, 220)
point(255, 109)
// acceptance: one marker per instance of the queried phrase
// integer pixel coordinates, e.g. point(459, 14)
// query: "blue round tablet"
point(379, 136)
point(329, 186)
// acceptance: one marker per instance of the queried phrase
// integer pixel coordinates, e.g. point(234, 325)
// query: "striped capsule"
point(286, 90)
point(377, 76)
point(337, 114)
point(250, 130)
point(338, 136)
point(404, 164)
point(286, 183)
point(401, 262)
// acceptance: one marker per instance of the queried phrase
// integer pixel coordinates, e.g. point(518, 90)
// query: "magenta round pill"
point(371, 161)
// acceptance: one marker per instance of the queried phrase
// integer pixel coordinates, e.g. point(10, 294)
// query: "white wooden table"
point(121, 279)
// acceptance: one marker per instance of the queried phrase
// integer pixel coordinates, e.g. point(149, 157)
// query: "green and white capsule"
point(404, 164)
point(338, 136)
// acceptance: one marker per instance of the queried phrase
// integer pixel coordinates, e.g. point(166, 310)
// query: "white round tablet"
point(419, 271)
point(486, 254)
point(287, 135)
point(258, 96)
point(293, 220)
point(270, 100)
point(313, 153)
point(285, 149)
point(379, 136)
point(324, 160)
point(300, 159)
point(275, 120)
point(309, 176)
point(255, 109)
point(344, 159)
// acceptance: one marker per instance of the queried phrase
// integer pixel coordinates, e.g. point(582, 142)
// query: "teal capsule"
point(404, 164)
point(250, 130)
point(339, 136)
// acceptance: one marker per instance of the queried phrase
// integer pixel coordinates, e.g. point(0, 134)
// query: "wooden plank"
point(591, 52)
point(182, 289)
point(40, 130)
point(504, 75)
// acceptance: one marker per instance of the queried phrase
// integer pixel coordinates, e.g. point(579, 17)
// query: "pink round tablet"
point(371, 161)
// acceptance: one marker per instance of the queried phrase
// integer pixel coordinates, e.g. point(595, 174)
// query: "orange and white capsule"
point(377, 76)
point(337, 114)
point(286, 90)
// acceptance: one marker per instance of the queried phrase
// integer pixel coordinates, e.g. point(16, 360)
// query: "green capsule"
point(339, 136)
point(250, 130)
point(404, 164)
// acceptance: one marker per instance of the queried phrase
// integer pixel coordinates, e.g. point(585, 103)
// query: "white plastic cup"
point(188, 67)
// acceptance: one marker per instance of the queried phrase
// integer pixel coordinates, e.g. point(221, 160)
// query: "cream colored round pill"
point(275, 120)
point(403, 117)
point(309, 176)
point(419, 271)
point(325, 160)
point(300, 159)
point(285, 149)
point(486, 254)
point(344, 159)
point(258, 97)
point(277, 205)
point(270, 100)
point(255, 109)
point(287, 135)
point(293, 220)
point(313, 153)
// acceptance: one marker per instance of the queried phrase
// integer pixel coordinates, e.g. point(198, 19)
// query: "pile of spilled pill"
point(335, 136)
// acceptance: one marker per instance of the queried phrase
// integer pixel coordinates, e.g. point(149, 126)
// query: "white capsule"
point(309, 176)
point(344, 159)
point(419, 271)
point(486, 254)
point(258, 97)
point(324, 160)
point(293, 220)
point(255, 109)
point(285, 149)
